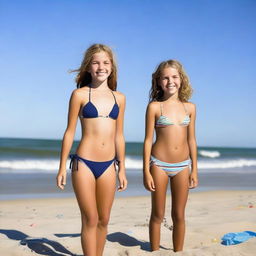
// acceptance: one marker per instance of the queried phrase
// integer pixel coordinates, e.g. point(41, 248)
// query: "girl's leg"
point(158, 198)
point(105, 191)
point(84, 186)
point(179, 189)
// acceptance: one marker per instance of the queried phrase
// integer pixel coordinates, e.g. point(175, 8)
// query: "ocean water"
point(38, 155)
point(29, 166)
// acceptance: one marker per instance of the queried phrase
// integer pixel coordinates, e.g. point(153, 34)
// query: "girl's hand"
point(149, 182)
point(193, 180)
point(122, 181)
point(61, 179)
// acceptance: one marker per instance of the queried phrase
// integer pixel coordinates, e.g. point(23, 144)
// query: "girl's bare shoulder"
point(191, 107)
point(119, 96)
point(80, 92)
point(153, 106)
point(79, 95)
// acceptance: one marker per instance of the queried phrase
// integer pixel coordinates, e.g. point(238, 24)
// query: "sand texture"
point(52, 226)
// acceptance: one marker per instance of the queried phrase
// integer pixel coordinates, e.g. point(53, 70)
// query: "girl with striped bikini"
point(173, 118)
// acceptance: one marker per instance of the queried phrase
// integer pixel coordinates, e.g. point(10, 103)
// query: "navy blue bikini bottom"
point(97, 168)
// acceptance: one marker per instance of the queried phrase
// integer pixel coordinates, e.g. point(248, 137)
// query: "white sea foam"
point(225, 164)
point(30, 164)
point(132, 163)
point(51, 165)
point(207, 153)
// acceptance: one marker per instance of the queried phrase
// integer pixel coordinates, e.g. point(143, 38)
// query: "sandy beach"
point(52, 226)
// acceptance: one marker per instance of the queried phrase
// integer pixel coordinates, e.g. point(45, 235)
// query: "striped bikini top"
point(164, 121)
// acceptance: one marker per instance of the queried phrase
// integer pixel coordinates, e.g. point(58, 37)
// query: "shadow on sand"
point(41, 246)
point(126, 240)
point(48, 247)
point(119, 237)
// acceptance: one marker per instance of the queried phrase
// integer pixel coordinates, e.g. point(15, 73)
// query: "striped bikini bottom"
point(171, 169)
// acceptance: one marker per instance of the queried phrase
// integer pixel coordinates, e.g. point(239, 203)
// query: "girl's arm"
point(149, 133)
point(193, 146)
point(74, 107)
point(120, 143)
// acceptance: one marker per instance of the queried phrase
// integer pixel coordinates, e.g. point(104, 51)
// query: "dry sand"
point(51, 226)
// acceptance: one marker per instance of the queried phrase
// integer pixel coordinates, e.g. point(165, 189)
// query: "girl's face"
point(170, 81)
point(100, 67)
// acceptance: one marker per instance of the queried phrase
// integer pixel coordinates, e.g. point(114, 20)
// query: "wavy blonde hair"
point(84, 78)
point(185, 90)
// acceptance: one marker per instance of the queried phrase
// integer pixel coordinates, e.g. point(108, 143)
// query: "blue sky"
point(214, 40)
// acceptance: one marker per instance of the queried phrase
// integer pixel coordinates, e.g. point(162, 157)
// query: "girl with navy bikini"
point(173, 118)
point(100, 109)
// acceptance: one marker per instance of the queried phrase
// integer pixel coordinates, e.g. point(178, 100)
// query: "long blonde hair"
point(185, 90)
point(84, 78)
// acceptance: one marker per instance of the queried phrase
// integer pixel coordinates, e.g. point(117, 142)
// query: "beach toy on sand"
point(237, 237)
point(214, 240)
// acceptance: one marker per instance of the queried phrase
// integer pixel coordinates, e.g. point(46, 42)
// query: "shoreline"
point(40, 185)
point(71, 195)
point(38, 223)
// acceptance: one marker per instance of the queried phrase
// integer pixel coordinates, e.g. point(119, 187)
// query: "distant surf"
point(34, 155)
point(211, 154)
point(50, 165)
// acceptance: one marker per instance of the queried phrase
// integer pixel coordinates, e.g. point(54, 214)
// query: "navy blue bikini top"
point(90, 111)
